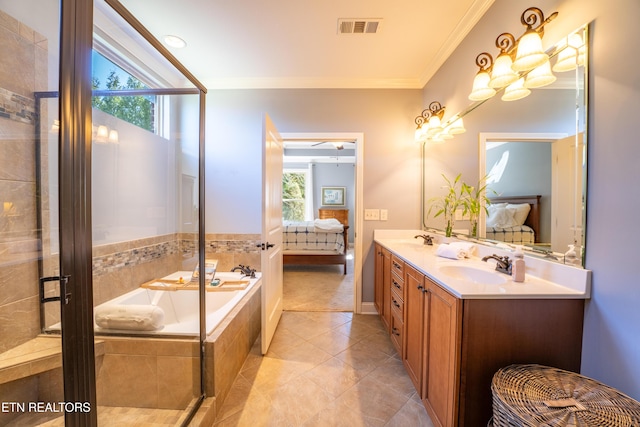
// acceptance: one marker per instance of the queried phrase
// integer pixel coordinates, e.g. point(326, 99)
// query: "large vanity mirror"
point(532, 154)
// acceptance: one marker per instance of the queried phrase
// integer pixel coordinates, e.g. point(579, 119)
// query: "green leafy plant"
point(448, 204)
point(475, 201)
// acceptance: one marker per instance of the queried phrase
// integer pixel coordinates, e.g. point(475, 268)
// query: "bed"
point(323, 241)
point(514, 219)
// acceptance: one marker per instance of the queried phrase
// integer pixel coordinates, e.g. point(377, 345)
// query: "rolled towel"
point(467, 247)
point(448, 251)
point(132, 317)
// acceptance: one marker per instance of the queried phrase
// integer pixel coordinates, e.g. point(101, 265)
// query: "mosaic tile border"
point(112, 262)
point(17, 107)
point(129, 258)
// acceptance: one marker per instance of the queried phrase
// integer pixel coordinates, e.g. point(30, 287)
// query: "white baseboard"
point(368, 308)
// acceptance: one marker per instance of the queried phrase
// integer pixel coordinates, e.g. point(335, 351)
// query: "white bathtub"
point(181, 307)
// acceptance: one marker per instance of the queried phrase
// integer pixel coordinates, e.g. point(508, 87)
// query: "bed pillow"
point(521, 212)
point(501, 216)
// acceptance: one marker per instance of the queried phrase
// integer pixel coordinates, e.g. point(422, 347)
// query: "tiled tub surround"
point(159, 373)
point(164, 372)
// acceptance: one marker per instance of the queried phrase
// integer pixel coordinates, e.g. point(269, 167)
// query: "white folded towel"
point(330, 225)
point(451, 251)
point(130, 317)
point(467, 247)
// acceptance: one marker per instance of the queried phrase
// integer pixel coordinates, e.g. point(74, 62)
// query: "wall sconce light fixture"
point(522, 64)
point(103, 135)
point(572, 54)
point(481, 89)
point(431, 127)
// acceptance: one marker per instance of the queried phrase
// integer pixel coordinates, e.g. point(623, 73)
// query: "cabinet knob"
point(395, 331)
point(420, 287)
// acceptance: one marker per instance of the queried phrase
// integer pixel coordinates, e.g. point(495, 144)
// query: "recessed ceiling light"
point(174, 41)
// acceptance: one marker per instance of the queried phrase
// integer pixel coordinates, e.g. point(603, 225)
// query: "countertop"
point(544, 279)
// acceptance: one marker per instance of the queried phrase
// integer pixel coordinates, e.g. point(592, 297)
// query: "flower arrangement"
point(475, 201)
point(472, 200)
point(448, 204)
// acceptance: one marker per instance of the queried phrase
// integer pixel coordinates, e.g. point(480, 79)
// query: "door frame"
point(358, 137)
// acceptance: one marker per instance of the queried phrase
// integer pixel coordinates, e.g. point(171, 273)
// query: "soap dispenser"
point(517, 266)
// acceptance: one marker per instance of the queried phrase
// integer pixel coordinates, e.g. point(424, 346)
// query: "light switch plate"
point(372, 214)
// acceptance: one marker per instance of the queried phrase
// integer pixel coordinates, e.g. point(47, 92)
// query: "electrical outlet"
point(384, 214)
point(372, 214)
point(458, 216)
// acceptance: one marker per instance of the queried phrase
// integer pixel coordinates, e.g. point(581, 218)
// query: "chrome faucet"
point(428, 240)
point(503, 263)
point(246, 270)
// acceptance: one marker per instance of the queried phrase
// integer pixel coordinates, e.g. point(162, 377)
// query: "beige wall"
point(24, 51)
point(611, 344)
point(234, 152)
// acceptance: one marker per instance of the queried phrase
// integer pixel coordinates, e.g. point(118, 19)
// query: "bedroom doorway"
point(325, 161)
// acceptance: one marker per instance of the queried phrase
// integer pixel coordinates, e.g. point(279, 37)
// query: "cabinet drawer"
point(397, 304)
point(397, 265)
point(397, 327)
point(397, 284)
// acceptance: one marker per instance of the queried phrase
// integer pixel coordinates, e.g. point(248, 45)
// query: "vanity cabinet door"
point(442, 365)
point(382, 297)
point(414, 307)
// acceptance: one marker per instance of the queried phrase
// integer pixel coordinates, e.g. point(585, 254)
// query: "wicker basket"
point(535, 396)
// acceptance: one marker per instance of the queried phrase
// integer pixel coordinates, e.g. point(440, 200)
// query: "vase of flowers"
point(448, 204)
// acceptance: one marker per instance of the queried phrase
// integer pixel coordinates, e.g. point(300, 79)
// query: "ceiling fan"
point(339, 145)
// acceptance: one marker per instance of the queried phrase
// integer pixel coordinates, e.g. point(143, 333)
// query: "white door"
point(271, 260)
point(566, 204)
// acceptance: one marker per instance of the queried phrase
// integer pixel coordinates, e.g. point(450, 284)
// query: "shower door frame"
point(75, 138)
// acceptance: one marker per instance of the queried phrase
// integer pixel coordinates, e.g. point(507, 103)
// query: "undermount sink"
point(473, 274)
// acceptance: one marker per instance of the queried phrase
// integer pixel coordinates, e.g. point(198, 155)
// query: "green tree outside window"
point(293, 196)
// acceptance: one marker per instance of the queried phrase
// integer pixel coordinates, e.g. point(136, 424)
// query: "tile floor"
point(318, 287)
point(324, 369)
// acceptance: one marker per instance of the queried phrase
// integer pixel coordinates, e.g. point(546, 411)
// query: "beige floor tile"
point(337, 414)
point(411, 414)
point(299, 399)
point(335, 376)
point(391, 374)
point(357, 329)
point(333, 342)
point(363, 357)
point(376, 403)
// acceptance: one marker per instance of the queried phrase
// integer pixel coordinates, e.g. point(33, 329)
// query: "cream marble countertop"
point(544, 279)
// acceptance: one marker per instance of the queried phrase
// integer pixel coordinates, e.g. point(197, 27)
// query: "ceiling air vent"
point(358, 26)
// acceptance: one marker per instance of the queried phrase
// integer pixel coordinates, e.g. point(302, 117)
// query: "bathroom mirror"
point(527, 148)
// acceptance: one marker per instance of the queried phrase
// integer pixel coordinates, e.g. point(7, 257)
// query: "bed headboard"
point(533, 219)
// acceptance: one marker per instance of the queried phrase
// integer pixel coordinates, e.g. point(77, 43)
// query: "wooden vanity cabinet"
point(382, 280)
point(443, 329)
point(432, 336)
point(416, 311)
point(452, 347)
point(398, 297)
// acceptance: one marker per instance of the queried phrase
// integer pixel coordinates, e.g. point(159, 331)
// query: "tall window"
point(294, 194)
point(138, 110)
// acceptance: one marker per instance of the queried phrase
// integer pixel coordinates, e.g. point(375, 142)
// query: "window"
point(296, 196)
point(138, 110)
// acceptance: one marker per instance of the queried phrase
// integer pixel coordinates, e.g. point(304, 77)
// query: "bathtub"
point(181, 314)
